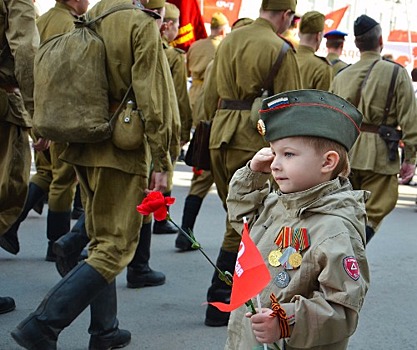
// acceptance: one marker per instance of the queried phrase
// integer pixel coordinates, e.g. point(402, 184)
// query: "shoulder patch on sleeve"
point(351, 267)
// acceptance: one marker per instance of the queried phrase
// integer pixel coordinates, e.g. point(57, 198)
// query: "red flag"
point(250, 277)
point(229, 8)
point(191, 24)
point(333, 19)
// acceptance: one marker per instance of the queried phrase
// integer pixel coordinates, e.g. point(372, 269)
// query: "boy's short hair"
point(309, 113)
point(324, 145)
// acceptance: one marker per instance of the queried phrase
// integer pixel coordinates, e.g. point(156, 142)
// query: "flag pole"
point(410, 47)
point(258, 300)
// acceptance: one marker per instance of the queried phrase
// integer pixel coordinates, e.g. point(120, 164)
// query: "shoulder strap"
point(390, 93)
point(269, 82)
point(87, 22)
point(368, 73)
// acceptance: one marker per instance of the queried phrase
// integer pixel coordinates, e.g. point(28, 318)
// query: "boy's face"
point(297, 166)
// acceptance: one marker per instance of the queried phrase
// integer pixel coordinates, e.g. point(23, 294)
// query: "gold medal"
point(273, 258)
point(295, 260)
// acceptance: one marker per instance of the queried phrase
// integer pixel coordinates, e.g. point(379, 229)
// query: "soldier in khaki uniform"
point(201, 53)
point(105, 173)
point(55, 177)
point(316, 72)
point(19, 40)
point(243, 61)
point(371, 168)
point(311, 232)
point(139, 274)
point(335, 40)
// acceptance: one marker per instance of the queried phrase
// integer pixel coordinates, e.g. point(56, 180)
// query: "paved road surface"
point(170, 317)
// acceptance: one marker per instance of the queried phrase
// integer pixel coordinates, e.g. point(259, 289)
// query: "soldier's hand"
point(262, 160)
point(41, 144)
point(160, 182)
point(407, 172)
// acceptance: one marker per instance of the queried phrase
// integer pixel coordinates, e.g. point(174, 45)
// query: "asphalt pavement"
point(171, 316)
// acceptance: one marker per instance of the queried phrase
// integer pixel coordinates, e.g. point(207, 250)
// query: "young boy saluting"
point(311, 232)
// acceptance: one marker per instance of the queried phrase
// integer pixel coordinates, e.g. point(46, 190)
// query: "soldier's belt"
point(370, 128)
point(237, 105)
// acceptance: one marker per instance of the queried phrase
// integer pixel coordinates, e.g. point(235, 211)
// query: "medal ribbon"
point(280, 237)
point(288, 233)
point(303, 238)
point(279, 312)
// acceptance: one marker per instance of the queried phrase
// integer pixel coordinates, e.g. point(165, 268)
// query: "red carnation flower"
point(155, 203)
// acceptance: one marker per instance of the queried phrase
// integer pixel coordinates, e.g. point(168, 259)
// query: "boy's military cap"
point(309, 113)
point(171, 11)
point(218, 19)
point(155, 4)
point(312, 22)
point(279, 5)
point(363, 24)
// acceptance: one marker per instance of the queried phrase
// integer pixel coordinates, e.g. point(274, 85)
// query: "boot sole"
point(119, 346)
point(8, 247)
point(5, 311)
point(144, 284)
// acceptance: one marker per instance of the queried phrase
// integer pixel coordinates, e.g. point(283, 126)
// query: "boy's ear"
point(330, 161)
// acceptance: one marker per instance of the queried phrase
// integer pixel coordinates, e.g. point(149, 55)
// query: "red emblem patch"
point(351, 267)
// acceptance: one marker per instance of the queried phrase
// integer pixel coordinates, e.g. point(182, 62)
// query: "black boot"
point(69, 248)
point(369, 233)
point(9, 241)
point(192, 206)
point(40, 330)
point(220, 291)
point(164, 226)
point(57, 224)
point(7, 304)
point(104, 330)
point(77, 208)
point(139, 274)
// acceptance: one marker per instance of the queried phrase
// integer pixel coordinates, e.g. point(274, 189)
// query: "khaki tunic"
point(371, 168)
point(336, 62)
point(321, 300)
point(19, 40)
point(370, 151)
point(243, 61)
point(199, 55)
point(112, 180)
point(316, 72)
point(62, 178)
point(176, 61)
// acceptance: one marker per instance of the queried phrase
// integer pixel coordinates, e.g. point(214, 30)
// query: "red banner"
point(333, 19)
point(230, 8)
point(191, 24)
point(250, 277)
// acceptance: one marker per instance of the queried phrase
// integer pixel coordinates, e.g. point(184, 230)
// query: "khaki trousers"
point(110, 197)
point(384, 194)
point(15, 160)
point(224, 163)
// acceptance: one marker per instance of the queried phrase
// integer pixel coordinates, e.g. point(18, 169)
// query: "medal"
point(282, 279)
point(295, 260)
point(273, 258)
point(285, 256)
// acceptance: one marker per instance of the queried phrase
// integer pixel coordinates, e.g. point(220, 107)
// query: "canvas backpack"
point(71, 91)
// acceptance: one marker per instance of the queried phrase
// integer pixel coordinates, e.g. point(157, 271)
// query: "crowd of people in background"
point(229, 70)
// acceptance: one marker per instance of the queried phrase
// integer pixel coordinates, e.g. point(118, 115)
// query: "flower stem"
point(225, 277)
